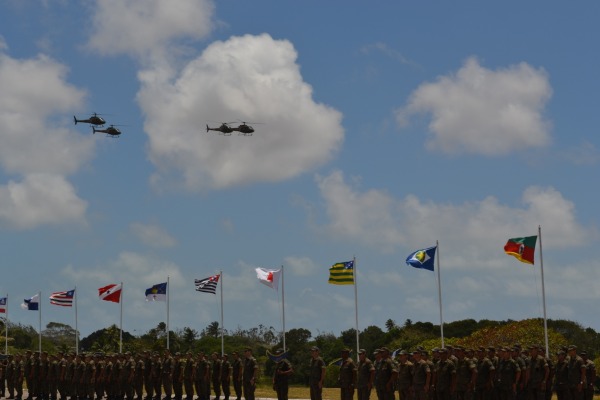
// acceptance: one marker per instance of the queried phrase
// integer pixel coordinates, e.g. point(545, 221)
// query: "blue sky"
point(383, 129)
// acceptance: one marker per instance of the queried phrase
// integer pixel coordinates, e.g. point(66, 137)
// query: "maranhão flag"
point(523, 248)
point(269, 277)
point(111, 292)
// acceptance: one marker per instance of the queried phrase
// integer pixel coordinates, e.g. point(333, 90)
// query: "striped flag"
point(342, 273)
point(207, 285)
point(63, 299)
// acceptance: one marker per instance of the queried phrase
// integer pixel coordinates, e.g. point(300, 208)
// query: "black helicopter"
point(244, 129)
point(94, 119)
point(224, 129)
point(111, 131)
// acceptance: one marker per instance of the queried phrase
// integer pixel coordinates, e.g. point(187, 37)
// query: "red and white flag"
point(111, 292)
point(269, 277)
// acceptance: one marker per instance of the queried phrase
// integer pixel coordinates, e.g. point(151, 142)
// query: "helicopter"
point(244, 129)
point(111, 131)
point(94, 119)
point(224, 129)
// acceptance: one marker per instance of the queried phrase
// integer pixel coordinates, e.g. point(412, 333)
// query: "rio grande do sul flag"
point(523, 248)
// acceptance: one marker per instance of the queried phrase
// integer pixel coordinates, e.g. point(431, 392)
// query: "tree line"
point(263, 339)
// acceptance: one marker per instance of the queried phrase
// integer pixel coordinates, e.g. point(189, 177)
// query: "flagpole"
point(40, 320)
point(121, 322)
point(76, 330)
point(356, 301)
point(543, 291)
point(168, 312)
point(222, 328)
point(283, 306)
point(6, 327)
point(437, 258)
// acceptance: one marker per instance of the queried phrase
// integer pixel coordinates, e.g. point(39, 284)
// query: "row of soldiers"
point(456, 373)
point(145, 376)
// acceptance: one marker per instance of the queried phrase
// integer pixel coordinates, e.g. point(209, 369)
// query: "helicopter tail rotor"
point(207, 128)
point(93, 130)
point(75, 119)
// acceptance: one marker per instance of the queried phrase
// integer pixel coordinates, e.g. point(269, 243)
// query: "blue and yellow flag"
point(342, 273)
point(422, 258)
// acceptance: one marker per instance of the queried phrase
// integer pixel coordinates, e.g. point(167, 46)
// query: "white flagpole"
point(355, 274)
point(6, 326)
point(437, 258)
point(283, 306)
point(76, 330)
point(168, 313)
point(543, 292)
point(222, 328)
point(40, 319)
point(121, 321)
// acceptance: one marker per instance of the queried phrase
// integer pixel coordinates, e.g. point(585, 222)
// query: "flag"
point(342, 273)
point(207, 285)
point(522, 248)
point(64, 299)
point(269, 277)
point(422, 258)
point(32, 303)
point(111, 292)
point(157, 292)
point(277, 357)
point(3, 301)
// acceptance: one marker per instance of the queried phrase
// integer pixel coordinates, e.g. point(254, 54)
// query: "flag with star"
point(423, 258)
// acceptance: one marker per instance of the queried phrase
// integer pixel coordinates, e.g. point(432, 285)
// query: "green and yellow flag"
point(523, 248)
point(342, 273)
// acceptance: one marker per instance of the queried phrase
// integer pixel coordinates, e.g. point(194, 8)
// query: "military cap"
point(385, 349)
point(402, 353)
point(583, 353)
point(491, 348)
point(278, 351)
point(345, 350)
point(560, 353)
point(420, 348)
point(442, 350)
point(435, 350)
point(424, 352)
point(314, 348)
point(376, 351)
point(517, 345)
point(362, 351)
point(247, 348)
point(235, 353)
point(572, 347)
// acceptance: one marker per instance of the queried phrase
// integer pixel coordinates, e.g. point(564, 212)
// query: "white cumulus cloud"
point(478, 228)
point(37, 150)
point(249, 78)
point(482, 111)
point(141, 27)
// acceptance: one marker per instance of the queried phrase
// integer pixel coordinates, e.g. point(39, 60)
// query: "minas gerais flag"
point(523, 248)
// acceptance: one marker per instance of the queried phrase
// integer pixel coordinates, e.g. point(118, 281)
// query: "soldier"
point(189, 370)
point(485, 376)
point(366, 375)
point(421, 376)
point(115, 378)
point(561, 376)
point(590, 369)
point(156, 375)
point(249, 375)
point(347, 378)
point(445, 377)
point(537, 374)
point(19, 376)
point(138, 377)
point(42, 375)
point(405, 376)
point(99, 380)
point(466, 375)
point(10, 377)
point(148, 361)
point(167, 374)
point(216, 374)
point(77, 379)
point(283, 370)
point(70, 384)
point(316, 374)
point(386, 376)
point(3, 364)
point(577, 374)
point(225, 376)
point(28, 362)
point(236, 375)
point(508, 375)
point(52, 377)
point(516, 355)
point(178, 377)
point(431, 392)
point(202, 379)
